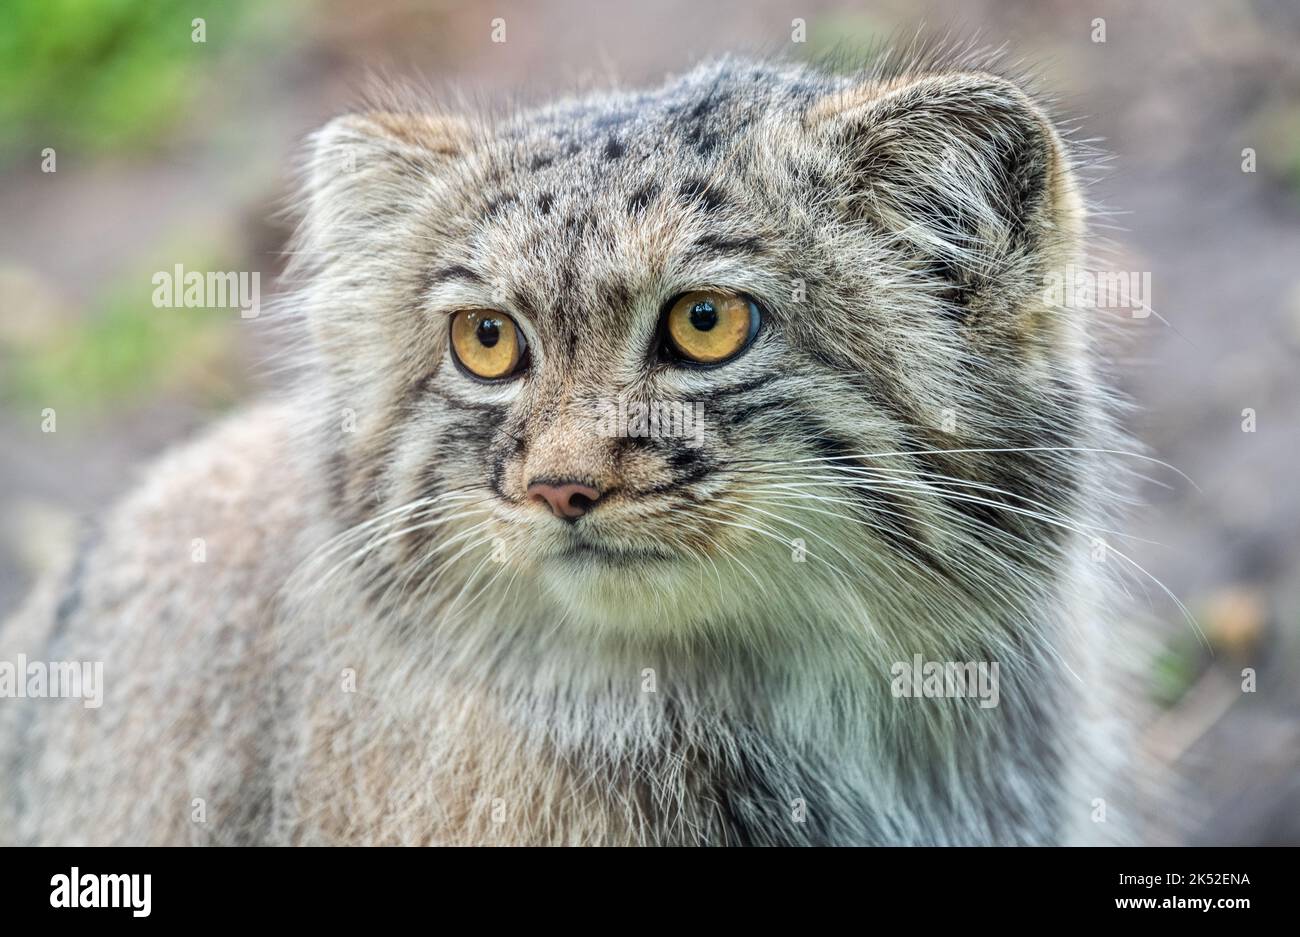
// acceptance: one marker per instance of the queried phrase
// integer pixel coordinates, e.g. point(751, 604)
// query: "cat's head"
point(754, 346)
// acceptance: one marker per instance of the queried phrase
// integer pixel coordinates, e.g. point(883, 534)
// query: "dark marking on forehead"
point(577, 225)
point(642, 198)
point(615, 294)
point(807, 174)
point(499, 203)
point(573, 342)
point(699, 126)
point(698, 191)
point(612, 119)
point(701, 140)
point(453, 272)
point(544, 202)
point(568, 276)
point(614, 148)
point(712, 245)
point(540, 161)
point(688, 113)
point(525, 305)
point(710, 102)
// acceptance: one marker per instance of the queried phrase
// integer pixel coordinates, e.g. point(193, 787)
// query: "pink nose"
point(569, 500)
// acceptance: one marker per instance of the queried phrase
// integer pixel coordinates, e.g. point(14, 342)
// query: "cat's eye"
point(487, 343)
point(711, 326)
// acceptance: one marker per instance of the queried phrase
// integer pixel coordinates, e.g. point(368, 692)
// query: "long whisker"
point(377, 541)
point(1049, 515)
point(850, 457)
point(897, 487)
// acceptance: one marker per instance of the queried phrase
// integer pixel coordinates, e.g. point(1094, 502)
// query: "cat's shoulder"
point(207, 526)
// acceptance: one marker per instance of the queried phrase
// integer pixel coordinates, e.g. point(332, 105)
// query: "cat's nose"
point(567, 499)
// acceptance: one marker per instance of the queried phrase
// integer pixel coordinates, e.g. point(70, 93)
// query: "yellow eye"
point(488, 344)
point(709, 326)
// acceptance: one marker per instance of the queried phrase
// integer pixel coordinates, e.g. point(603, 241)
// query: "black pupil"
point(488, 332)
point(704, 316)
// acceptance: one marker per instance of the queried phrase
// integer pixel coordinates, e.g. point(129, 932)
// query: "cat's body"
point(381, 637)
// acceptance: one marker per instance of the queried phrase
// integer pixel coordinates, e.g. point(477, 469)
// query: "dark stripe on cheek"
point(738, 415)
point(744, 387)
point(491, 411)
point(495, 484)
point(687, 465)
point(475, 431)
point(889, 515)
point(431, 480)
point(738, 404)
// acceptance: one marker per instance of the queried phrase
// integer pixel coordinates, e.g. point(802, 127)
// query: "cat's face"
point(671, 357)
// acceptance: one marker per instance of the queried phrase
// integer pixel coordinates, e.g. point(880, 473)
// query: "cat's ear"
point(966, 172)
point(363, 167)
point(367, 178)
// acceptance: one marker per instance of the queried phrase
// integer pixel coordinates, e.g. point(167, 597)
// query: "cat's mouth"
point(582, 551)
point(631, 582)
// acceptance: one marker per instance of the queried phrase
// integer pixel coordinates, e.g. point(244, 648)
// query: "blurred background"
point(169, 151)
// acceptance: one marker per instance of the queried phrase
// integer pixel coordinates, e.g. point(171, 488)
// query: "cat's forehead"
point(693, 115)
point(625, 144)
point(602, 205)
